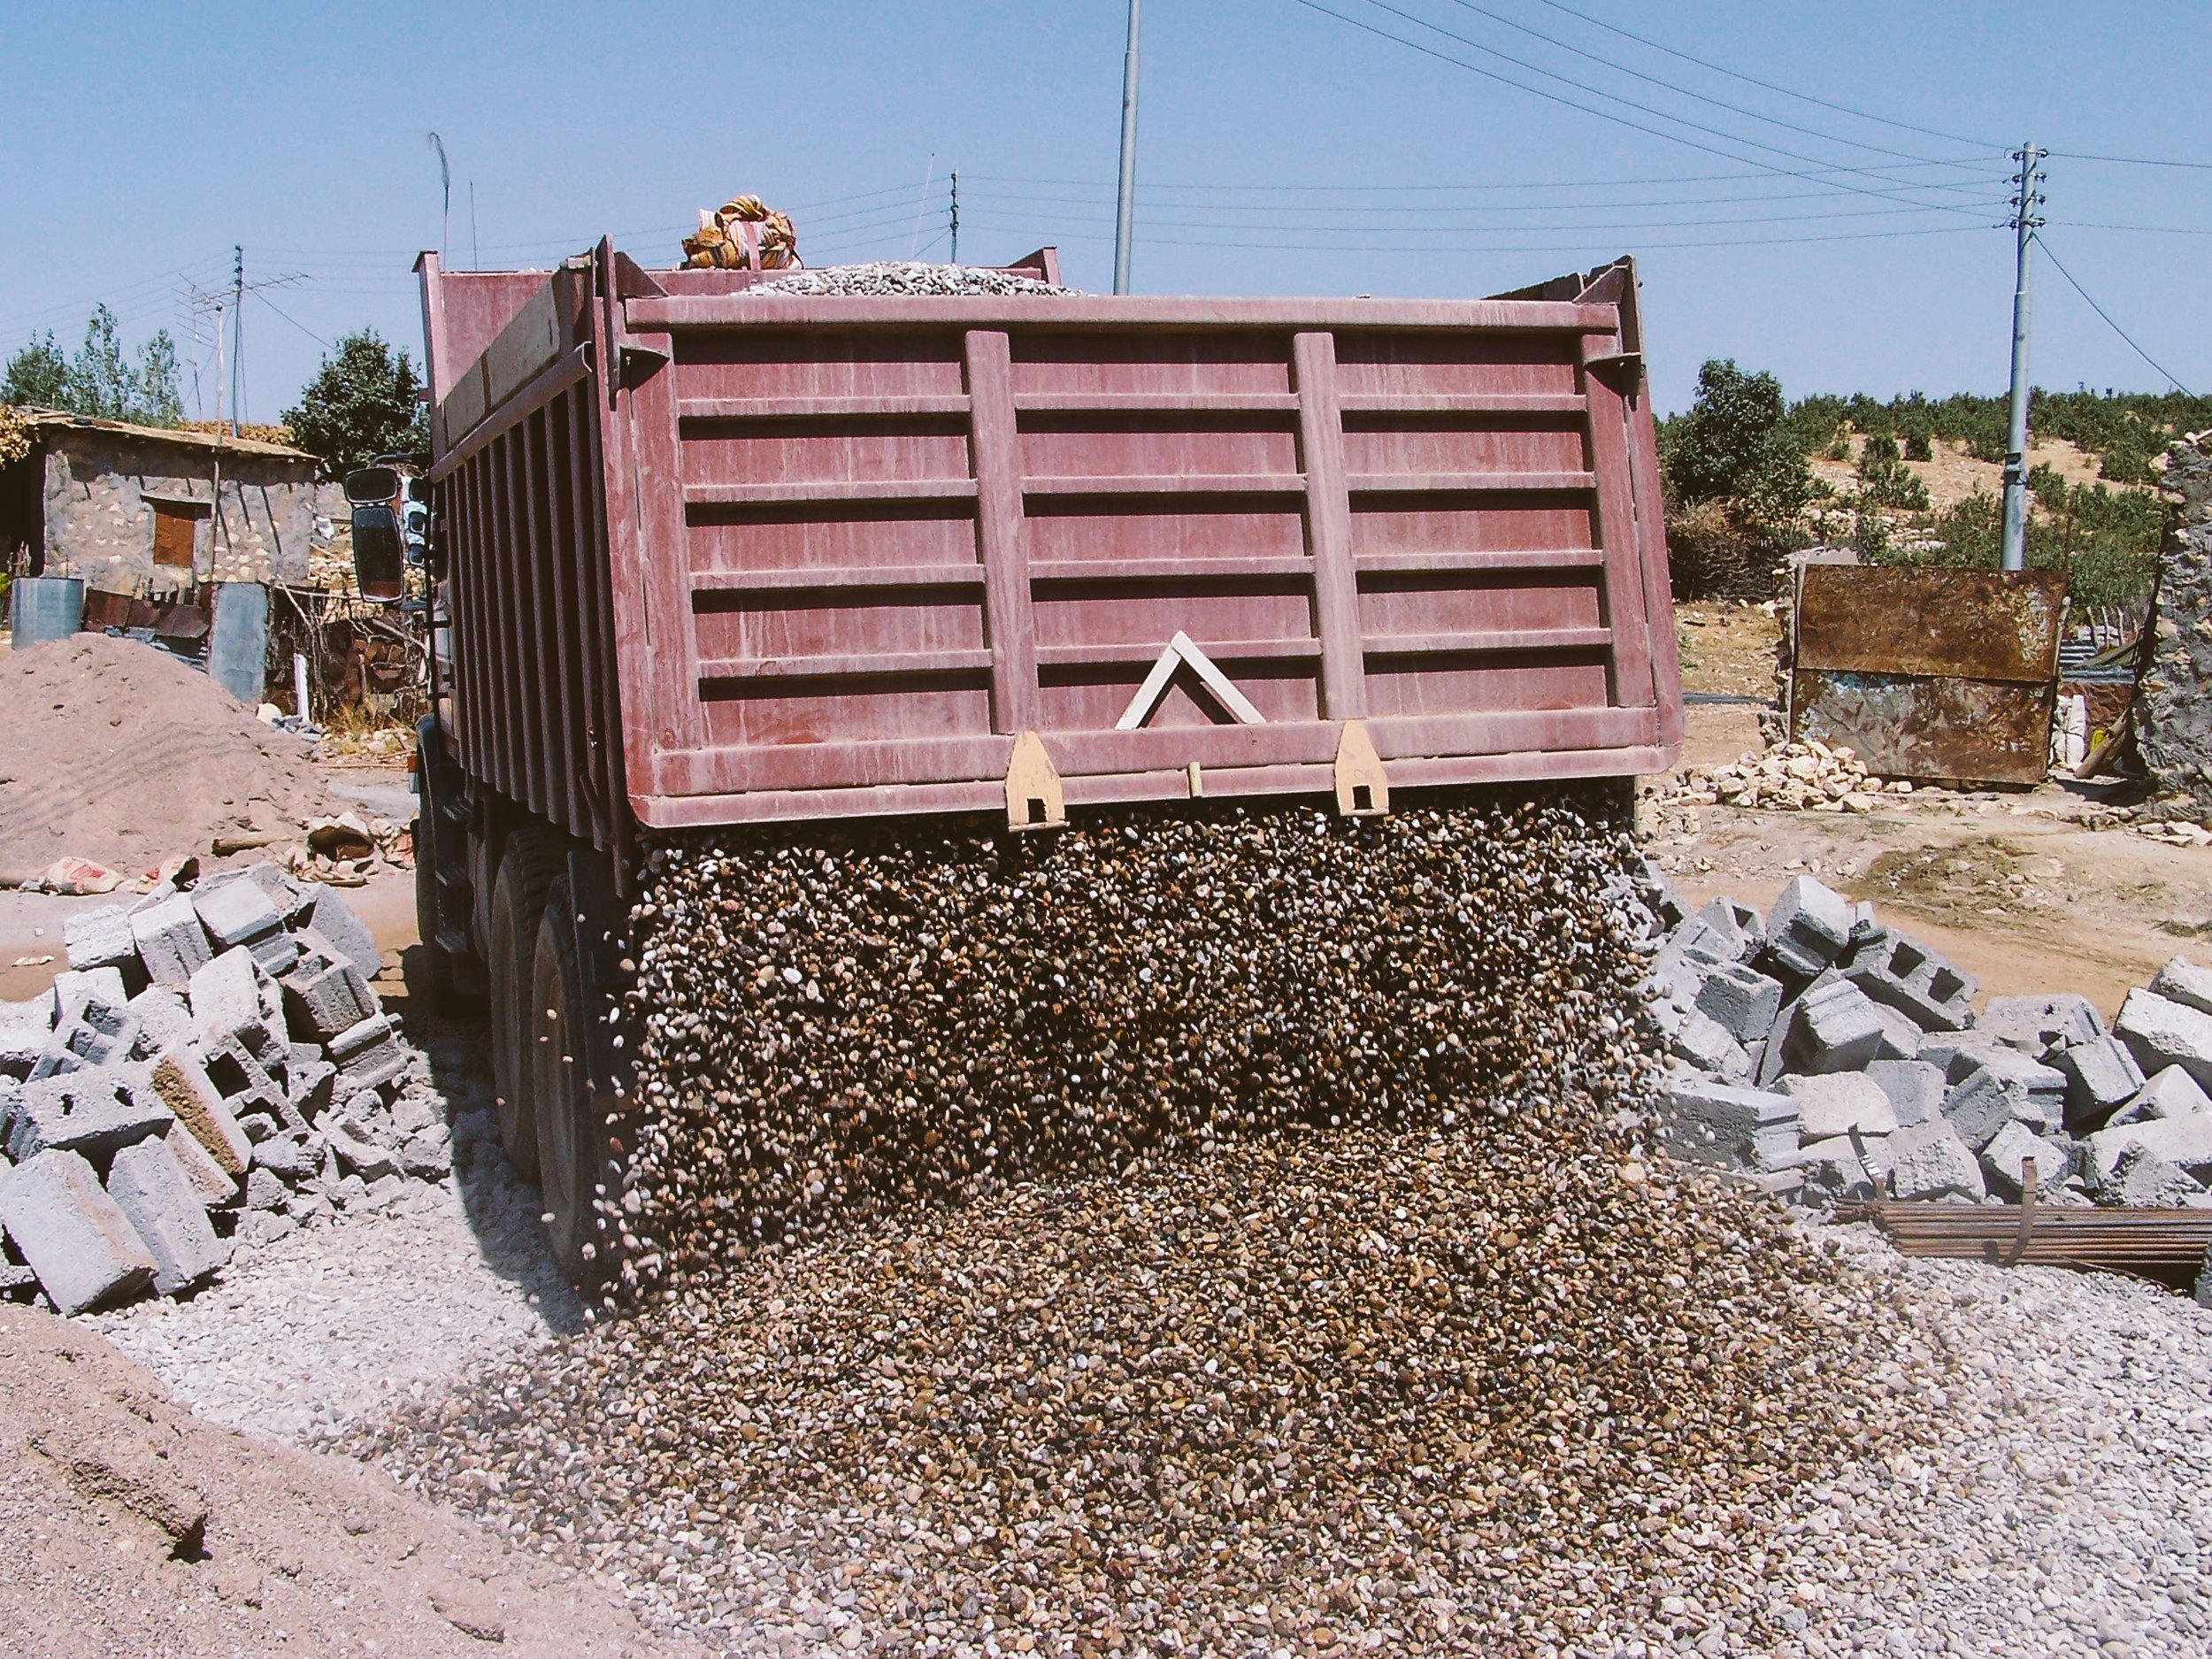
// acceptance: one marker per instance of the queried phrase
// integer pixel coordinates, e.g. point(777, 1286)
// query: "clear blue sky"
point(1281, 151)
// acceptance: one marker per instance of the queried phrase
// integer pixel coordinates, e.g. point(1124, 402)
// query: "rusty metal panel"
point(1982, 731)
point(856, 548)
point(1930, 673)
point(1897, 620)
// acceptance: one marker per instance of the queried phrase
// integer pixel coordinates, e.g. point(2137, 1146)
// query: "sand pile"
point(111, 750)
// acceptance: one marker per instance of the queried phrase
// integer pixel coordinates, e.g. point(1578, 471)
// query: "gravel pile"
point(1834, 1056)
point(1216, 1234)
point(833, 1025)
point(899, 279)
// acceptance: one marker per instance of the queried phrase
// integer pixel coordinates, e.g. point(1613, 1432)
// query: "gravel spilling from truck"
point(1209, 1231)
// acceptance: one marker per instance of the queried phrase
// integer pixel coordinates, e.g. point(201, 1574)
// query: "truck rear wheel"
point(528, 867)
point(570, 1137)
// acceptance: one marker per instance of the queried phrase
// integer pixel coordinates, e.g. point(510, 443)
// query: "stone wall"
point(99, 517)
point(2173, 703)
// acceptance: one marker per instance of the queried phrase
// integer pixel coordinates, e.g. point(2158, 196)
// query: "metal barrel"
point(45, 607)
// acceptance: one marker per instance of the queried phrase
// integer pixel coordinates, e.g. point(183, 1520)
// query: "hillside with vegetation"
point(1752, 476)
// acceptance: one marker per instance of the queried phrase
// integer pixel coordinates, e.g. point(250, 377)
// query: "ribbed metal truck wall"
point(827, 558)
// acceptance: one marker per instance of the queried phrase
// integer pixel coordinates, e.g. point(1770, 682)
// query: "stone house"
point(147, 509)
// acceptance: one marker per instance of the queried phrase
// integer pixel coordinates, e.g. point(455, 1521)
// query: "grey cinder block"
point(1807, 928)
point(100, 938)
point(2173, 1093)
point(158, 1201)
point(215, 1190)
point(94, 1113)
point(2005, 1157)
point(1916, 1089)
point(334, 918)
point(172, 944)
point(2036, 1025)
point(1928, 1160)
point(1717, 1122)
point(2101, 1076)
point(368, 1055)
point(74, 1236)
point(2182, 981)
point(1904, 974)
point(2159, 1032)
point(1742, 1002)
point(1835, 1030)
point(184, 1087)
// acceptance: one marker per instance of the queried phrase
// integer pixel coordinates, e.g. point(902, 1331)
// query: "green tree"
point(360, 404)
point(1884, 481)
point(1735, 447)
point(38, 374)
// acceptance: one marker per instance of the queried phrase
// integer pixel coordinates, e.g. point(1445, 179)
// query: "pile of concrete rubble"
point(212, 1067)
point(1832, 1056)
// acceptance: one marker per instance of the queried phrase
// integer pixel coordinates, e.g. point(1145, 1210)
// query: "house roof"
point(50, 420)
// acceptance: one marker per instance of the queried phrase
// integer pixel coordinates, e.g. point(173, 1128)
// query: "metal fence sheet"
point(1930, 673)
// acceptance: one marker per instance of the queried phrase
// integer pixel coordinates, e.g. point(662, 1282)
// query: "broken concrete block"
point(101, 1034)
point(1904, 974)
point(2008, 1087)
point(1807, 928)
point(172, 945)
point(1961, 1054)
point(293, 901)
point(73, 990)
point(265, 1190)
point(94, 1113)
point(1928, 1160)
point(225, 996)
point(1716, 1123)
point(368, 1055)
point(74, 1236)
point(427, 1156)
point(1835, 1030)
point(1739, 923)
point(307, 1086)
point(235, 912)
point(282, 1157)
point(2185, 1141)
point(164, 1022)
point(1863, 927)
point(246, 1085)
point(325, 995)
point(1707, 1045)
point(274, 953)
point(1835, 1104)
point(1833, 1168)
point(2159, 1032)
point(356, 1152)
point(1916, 1090)
point(2101, 1076)
point(2173, 1093)
point(2008, 1152)
point(100, 938)
point(215, 1190)
point(2182, 981)
point(331, 917)
point(1741, 1002)
point(1900, 1035)
point(158, 1201)
point(184, 1087)
point(2143, 1181)
point(2035, 1025)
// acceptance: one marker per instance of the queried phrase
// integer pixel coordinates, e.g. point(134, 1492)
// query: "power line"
point(2059, 265)
point(1753, 80)
point(1763, 172)
point(1453, 230)
point(1341, 247)
point(1620, 120)
point(2154, 230)
point(2133, 161)
point(1349, 201)
point(1718, 103)
point(296, 322)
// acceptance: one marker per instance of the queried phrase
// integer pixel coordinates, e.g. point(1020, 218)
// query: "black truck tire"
point(571, 1139)
point(529, 866)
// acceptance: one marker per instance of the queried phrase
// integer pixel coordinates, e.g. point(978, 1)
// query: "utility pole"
point(956, 218)
point(1126, 210)
point(2024, 202)
point(238, 326)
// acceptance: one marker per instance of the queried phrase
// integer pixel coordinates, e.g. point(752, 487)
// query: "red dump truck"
point(704, 557)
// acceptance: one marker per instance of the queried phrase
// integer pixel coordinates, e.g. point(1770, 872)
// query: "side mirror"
point(379, 554)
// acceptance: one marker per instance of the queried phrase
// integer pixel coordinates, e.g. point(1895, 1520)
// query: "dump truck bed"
point(721, 557)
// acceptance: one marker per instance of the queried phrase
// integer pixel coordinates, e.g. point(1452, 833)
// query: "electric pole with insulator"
point(2025, 200)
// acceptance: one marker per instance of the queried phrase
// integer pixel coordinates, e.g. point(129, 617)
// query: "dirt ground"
point(129, 1526)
